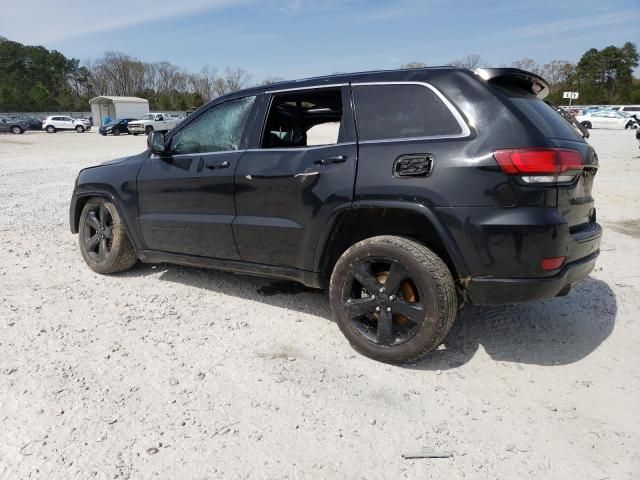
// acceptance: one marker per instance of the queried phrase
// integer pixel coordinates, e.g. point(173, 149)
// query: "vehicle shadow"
point(557, 331)
point(278, 293)
point(551, 332)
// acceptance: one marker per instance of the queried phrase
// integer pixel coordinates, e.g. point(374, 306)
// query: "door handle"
point(330, 160)
point(218, 165)
point(306, 174)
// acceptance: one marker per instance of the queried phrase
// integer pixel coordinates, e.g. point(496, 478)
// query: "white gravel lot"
point(181, 373)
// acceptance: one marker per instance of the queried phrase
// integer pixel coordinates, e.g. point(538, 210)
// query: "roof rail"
point(514, 77)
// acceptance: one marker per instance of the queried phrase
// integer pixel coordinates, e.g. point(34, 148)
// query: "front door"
point(63, 123)
point(301, 170)
point(185, 200)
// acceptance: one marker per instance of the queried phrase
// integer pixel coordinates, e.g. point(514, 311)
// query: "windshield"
point(148, 116)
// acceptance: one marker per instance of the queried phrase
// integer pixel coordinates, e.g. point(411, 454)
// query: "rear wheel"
point(586, 125)
point(393, 298)
point(148, 129)
point(103, 241)
point(79, 129)
point(16, 130)
point(51, 129)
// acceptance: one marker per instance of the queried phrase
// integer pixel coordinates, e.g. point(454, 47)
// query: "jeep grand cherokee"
point(406, 193)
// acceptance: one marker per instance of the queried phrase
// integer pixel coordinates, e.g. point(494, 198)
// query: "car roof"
point(397, 75)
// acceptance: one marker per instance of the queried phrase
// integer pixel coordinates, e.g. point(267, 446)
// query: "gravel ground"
point(175, 372)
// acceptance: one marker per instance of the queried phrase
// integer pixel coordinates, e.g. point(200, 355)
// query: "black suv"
point(406, 193)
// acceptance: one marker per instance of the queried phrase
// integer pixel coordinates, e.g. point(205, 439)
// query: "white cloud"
point(573, 24)
point(44, 21)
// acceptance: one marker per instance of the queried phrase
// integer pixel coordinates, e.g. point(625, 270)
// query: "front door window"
point(217, 130)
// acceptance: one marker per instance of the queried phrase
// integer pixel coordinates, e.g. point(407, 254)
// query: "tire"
point(51, 129)
point(79, 129)
point(421, 286)
point(104, 244)
point(586, 125)
point(16, 130)
point(135, 134)
point(148, 129)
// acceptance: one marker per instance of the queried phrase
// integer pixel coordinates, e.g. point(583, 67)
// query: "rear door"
point(301, 169)
point(185, 200)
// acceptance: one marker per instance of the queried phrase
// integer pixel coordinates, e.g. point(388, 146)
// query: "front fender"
point(116, 181)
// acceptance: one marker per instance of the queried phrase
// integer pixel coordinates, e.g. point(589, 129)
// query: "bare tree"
point(233, 79)
point(557, 72)
point(471, 62)
point(272, 80)
point(528, 64)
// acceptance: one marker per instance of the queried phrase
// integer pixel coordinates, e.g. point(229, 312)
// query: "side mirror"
point(156, 142)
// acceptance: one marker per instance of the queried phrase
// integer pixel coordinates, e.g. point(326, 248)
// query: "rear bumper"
point(500, 291)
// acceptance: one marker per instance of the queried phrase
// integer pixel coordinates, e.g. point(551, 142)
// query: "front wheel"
point(586, 125)
point(16, 130)
point(79, 129)
point(393, 298)
point(103, 241)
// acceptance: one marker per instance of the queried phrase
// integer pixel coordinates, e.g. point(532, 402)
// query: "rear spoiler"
point(515, 78)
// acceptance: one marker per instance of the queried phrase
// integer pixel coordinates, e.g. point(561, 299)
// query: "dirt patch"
point(628, 227)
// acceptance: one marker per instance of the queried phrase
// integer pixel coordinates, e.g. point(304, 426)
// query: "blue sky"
point(299, 38)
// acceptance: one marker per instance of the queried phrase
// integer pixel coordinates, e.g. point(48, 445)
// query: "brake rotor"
point(408, 293)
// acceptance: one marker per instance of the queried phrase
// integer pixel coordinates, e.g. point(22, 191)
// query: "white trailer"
point(117, 107)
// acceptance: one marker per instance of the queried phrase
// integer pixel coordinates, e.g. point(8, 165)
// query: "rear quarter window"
point(402, 111)
point(550, 122)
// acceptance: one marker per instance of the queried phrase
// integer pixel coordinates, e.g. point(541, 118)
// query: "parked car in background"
point(607, 119)
point(374, 185)
point(153, 122)
point(116, 126)
point(13, 126)
point(633, 110)
point(61, 122)
point(571, 118)
point(589, 110)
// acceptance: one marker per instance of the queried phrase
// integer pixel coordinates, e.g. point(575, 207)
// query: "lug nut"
point(373, 297)
point(391, 297)
point(377, 309)
point(388, 309)
point(381, 289)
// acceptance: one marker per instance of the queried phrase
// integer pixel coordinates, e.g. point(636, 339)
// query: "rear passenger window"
point(304, 119)
point(401, 111)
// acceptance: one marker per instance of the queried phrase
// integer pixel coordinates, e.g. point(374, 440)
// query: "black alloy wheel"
point(98, 232)
point(383, 302)
point(104, 244)
point(393, 298)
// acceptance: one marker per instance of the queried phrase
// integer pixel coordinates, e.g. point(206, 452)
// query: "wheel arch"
point(372, 218)
point(79, 201)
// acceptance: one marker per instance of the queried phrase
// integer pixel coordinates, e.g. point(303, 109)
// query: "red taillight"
point(540, 164)
point(552, 263)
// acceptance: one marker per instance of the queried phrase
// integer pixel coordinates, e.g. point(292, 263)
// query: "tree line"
point(603, 77)
point(33, 78)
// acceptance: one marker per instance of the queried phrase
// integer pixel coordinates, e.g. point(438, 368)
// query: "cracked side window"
point(219, 129)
